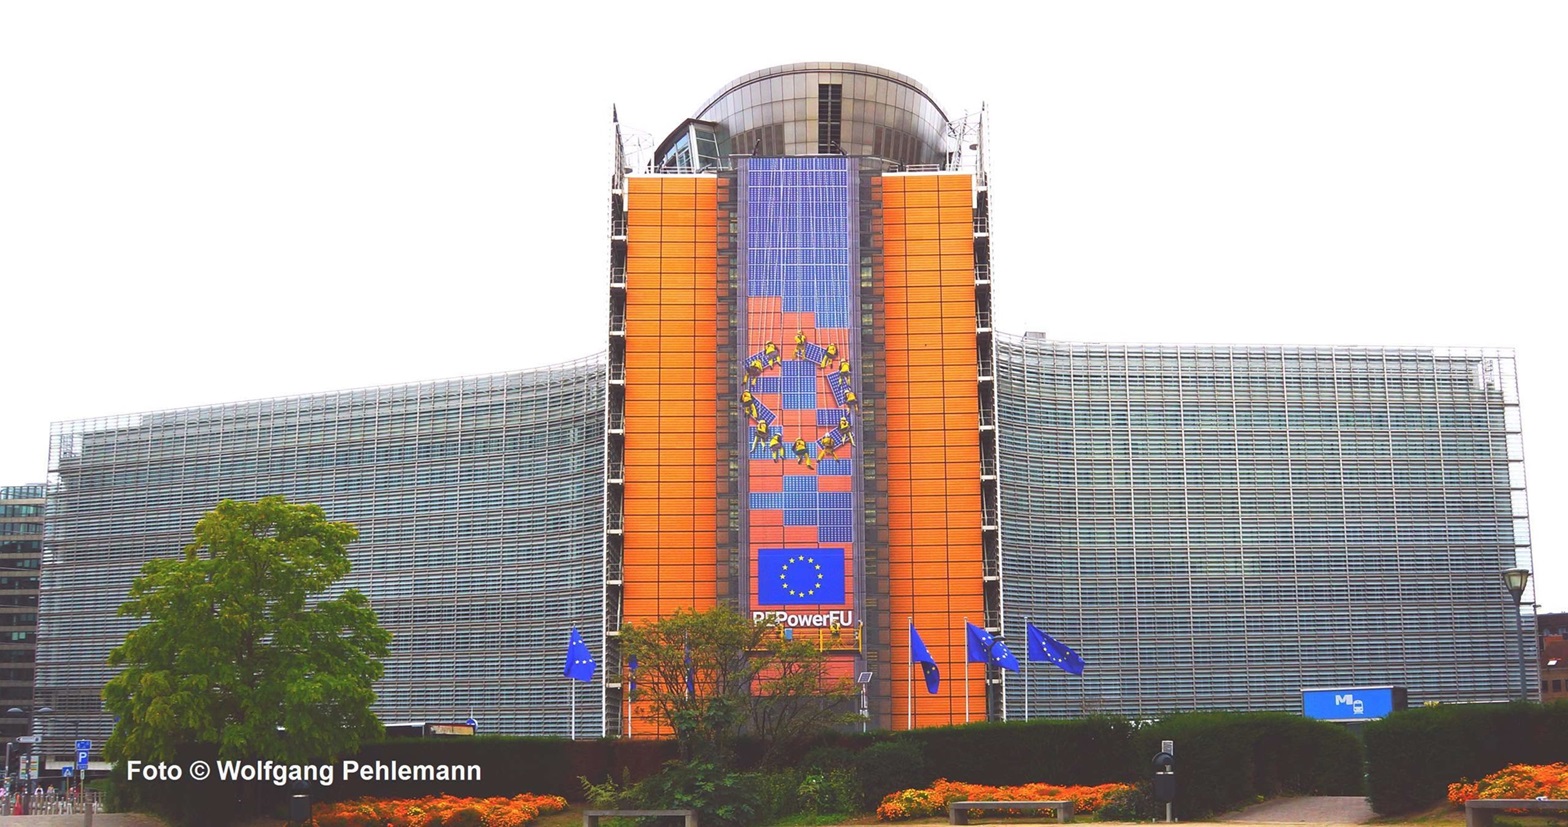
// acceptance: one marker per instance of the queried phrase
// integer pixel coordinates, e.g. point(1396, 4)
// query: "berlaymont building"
point(804, 411)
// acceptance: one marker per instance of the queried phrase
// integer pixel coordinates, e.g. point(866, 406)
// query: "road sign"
point(65, 772)
point(81, 759)
point(30, 739)
point(83, 745)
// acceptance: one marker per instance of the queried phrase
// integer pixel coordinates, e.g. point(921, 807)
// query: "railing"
point(987, 416)
point(617, 276)
point(982, 272)
point(982, 320)
point(618, 228)
point(987, 368)
point(987, 466)
point(988, 515)
point(982, 225)
point(52, 803)
point(617, 325)
point(617, 421)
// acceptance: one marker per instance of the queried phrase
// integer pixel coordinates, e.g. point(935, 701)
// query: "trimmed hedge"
point(1413, 756)
point(1083, 751)
point(1227, 760)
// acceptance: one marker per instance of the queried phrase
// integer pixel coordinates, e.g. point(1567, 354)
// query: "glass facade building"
point(1226, 525)
point(804, 412)
point(21, 544)
point(480, 508)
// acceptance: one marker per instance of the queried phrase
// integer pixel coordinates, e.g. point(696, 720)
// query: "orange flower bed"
point(934, 800)
point(434, 811)
point(1514, 781)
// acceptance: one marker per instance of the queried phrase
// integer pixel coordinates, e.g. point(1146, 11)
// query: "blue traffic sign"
point(67, 771)
point(83, 745)
point(81, 759)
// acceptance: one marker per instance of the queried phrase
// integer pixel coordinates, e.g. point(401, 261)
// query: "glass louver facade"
point(1224, 526)
point(480, 507)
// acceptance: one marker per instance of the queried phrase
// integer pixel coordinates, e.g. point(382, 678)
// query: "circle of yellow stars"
point(784, 575)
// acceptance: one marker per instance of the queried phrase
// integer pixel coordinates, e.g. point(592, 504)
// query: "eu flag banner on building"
point(918, 653)
point(983, 648)
point(1044, 647)
point(579, 661)
point(792, 576)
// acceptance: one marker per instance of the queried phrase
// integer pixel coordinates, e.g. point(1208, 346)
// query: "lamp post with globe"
point(1515, 581)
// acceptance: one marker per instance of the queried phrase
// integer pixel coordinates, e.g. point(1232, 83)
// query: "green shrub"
point(1413, 756)
point(720, 796)
point(836, 791)
point(1133, 804)
point(889, 766)
point(827, 758)
point(778, 794)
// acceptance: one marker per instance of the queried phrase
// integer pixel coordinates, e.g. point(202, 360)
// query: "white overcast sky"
point(209, 202)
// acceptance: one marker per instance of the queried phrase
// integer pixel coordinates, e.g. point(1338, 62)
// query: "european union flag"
point(632, 665)
point(918, 653)
point(988, 650)
point(579, 661)
point(794, 577)
point(1044, 647)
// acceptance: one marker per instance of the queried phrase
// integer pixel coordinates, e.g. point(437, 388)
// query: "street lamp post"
point(1515, 581)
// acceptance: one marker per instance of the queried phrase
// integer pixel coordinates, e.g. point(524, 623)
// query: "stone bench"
point(1479, 811)
point(591, 817)
point(958, 811)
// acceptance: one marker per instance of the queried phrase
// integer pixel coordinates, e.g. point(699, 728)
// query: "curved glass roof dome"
point(822, 109)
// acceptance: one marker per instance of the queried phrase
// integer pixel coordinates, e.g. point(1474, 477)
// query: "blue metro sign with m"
point(1356, 703)
point(800, 577)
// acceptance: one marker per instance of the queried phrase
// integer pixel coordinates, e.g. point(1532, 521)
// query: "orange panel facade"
point(933, 455)
point(670, 559)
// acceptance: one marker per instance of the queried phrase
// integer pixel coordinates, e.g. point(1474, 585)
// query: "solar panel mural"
point(799, 394)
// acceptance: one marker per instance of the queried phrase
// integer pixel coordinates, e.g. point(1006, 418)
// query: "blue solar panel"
point(835, 534)
point(835, 517)
point(768, 384)
point(828, 417)
point(835, 467)
point(800, 516)
point(797, 483)
point(835, 499)
point(769, 500)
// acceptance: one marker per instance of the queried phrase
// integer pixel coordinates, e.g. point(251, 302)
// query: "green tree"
point(744, 679)
point(236, 646)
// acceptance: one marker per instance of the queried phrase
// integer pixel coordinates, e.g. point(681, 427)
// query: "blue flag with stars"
point(918, 653)
point(579, 661)
point(793, 577)
point(988, 650)
point(1044, 647)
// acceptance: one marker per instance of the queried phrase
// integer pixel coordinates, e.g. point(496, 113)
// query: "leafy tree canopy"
point(712, 676)
point(235, 645)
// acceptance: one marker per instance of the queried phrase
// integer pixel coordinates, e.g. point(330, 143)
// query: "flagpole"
point(909, 686)
point(966, 670)
point(574, 709)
